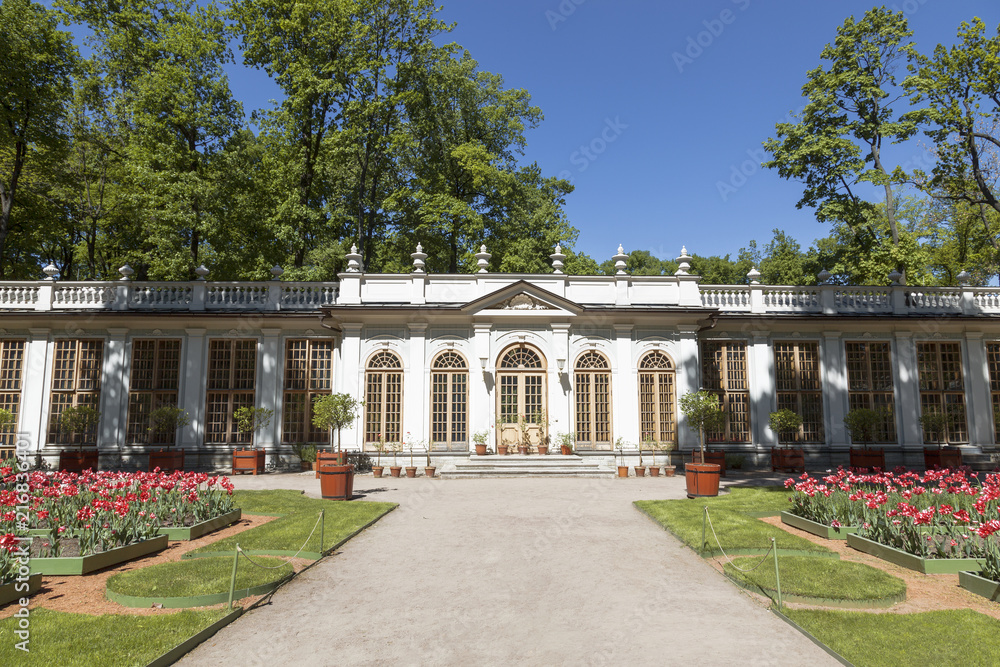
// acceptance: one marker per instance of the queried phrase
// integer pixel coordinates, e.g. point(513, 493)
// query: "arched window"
point(592, 386)
point(521, 396)
point(449, 401)
point(383, 398)
point(657, 402)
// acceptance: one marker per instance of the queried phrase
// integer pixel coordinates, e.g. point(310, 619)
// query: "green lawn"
point(736, 531)
point(820, 578)
point(289, 533)
point(201, 576)
point(59, 638)
point(961, 638)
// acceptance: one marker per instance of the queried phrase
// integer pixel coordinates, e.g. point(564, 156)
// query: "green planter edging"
point(911, 562)
point(189, 644)
point(194, 600)
point(981, 586)
point(876, 603)
point(808, 635)
point(84, 564)
point(816, 528)
point(203, 528)
point(9, 592)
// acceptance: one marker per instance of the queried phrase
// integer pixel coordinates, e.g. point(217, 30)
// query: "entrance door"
point(521, 397)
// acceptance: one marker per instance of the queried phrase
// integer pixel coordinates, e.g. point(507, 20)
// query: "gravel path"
point(508, 571)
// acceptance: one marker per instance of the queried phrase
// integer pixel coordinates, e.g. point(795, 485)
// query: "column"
point(191, 395)
point(688, 379)
point(625, 390)
point(481, 410)
point(907, 379)
point(33, 424)
point(415, 389)
point(269, 385)
point(979, 410)
point(835, 396)
point(559, 388)
point(114, 392)
point(762, 397)
point(350, 377)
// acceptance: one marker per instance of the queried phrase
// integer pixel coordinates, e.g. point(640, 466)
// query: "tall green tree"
point(836, 147)
point(36, 65)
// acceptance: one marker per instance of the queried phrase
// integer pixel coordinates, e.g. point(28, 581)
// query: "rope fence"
point(771, 550)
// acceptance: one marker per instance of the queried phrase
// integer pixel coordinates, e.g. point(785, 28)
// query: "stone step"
point(518, 465)
point(981, 462)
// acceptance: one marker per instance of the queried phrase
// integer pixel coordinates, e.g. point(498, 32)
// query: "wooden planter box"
point(972, 582)
point(10, 592)
point(711, 456)
point(911, 562)
point(818, 529)
point(942, 458)
point(203, 528)
point(329, 458)
point(248, 460)
point(867, 458)
point(166, 460)
point(788, 459)
point(85, 564)
point(702, 480)
point(78, 460)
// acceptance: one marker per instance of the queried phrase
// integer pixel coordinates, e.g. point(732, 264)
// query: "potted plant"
point(566, 441)
point(935, 424)
point(396, 448)
point(541, 418)
point(163, 424)
point(411, 470)
point(480, 438)
point(622, 468)
point(640, 470)
point(786, 423)
point(703, 412)
point(250, 420)
point(332, 412)
point(377, 469)
point(669, 469)
point(428, 469)
point(306, 454)
point(524, 441)
point(863, 425)
point(79, 423)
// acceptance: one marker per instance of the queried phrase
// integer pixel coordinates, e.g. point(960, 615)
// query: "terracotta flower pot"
point(668, 471)
point(522, 450)
point(429, 471)
point(377, 471)
point(702, 479)
point(411, 471)
point(566, 451)
point(640, 471)
point(654, 471)
point(480, 449)
point(502, 450)
point(623, 471)
point(543, 449)
point(395, 470)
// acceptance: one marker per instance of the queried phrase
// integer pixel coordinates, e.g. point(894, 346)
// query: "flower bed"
point(837, 532)
point(918, 521)
point(197, 530)
point(92, 513)
point(76, 565)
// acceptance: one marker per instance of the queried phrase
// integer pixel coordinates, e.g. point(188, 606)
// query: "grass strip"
point(958, 637)
point(203, 576)
point(820, 578)
point(735, 530)
point(288, 533)
point(68, 640)
point(273, 502)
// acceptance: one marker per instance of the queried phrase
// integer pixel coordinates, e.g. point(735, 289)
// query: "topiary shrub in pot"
point(785, 423)
point(703, 412)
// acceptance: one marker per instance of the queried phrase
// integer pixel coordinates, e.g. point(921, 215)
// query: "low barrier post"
point(777, 577)
point(232, 580)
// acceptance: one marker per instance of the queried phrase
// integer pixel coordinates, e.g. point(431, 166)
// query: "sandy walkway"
point(518, 571)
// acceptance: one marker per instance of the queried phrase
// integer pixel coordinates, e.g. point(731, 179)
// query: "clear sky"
point(656, 111)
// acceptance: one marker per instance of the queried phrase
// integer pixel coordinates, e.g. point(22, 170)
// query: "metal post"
point(322, 520)
point(704, 527)
point(232, 580)
point(777, 578)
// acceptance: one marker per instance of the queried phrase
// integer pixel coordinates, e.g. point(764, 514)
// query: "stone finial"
point(895, 276)
point(126, 272)
point(823, 277)
point(418, 259)
point(557, 260)
point(619, 261)
point(276, 272)
point(201, 272)
point(353, 260)
point(50, 271)
point(683, 262)
point(754, 275)
point(483, 259)
point(964, 278)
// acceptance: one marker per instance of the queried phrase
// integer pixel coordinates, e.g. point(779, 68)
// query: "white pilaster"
point(977, 391)
point(834, 382)
point(688, 379)
point(907, 379)
point(415, 385)
point(560, 383)
point(114, 392)
point(34, 400)
point(481, 409)
point(268, 386)
point(193, 382)
point(352, 376)
point(762, 396)
point(625, 392)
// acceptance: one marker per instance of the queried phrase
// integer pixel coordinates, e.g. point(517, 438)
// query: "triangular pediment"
point(522, 297)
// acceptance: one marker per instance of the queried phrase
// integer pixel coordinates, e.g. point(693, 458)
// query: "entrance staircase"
point(519, 465)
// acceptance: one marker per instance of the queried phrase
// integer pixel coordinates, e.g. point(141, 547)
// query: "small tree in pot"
point(863, 424)
point(164, 422)
point(251, 420)
point(784, 422)
point(703, 412)
point(79, 424)
point(934, 424)
point(333, 412)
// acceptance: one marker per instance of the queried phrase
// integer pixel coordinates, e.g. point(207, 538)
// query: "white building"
point(437, 358)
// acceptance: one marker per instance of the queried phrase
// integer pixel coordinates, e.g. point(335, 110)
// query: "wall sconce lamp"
point(561, 365)
point(482, 363)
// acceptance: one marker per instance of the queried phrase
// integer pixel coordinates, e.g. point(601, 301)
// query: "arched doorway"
point(521, 408)
point(657, 402)
point(449, 402)
point(383, 399)
point(592, 387)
